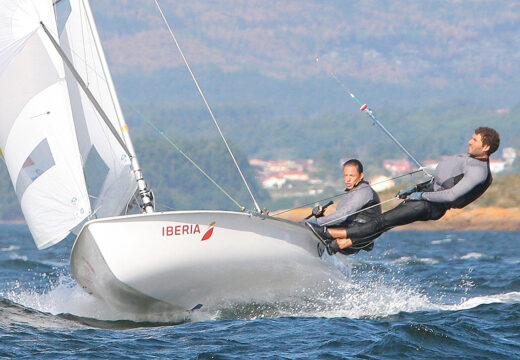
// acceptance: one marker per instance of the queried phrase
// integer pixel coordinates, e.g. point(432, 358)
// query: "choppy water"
point(420, 295)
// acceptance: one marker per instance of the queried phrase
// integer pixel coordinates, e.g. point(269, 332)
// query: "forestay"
point(42, 112)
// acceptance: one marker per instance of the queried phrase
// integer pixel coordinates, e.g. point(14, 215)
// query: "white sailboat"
point(69, 155)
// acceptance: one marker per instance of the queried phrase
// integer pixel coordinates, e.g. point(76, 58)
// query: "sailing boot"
point(320, 232)
point(332, 247)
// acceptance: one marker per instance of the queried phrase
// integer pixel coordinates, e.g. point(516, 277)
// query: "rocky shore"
point(488, 218)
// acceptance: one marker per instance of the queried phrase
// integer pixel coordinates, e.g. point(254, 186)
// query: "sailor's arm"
point(403, 193)
point(352, 202)
point(472, 177)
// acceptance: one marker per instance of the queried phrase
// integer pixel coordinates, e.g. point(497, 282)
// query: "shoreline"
point(486, 218)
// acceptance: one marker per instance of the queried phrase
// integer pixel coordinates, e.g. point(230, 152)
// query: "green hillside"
point(428, 132)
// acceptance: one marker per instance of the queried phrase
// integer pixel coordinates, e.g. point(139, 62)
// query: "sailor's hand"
point(414, 196)
point(317, 211)
point(403, 193)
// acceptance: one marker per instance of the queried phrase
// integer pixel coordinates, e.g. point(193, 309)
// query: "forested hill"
point(429, 132)
point(432, 71)
point(263, 52)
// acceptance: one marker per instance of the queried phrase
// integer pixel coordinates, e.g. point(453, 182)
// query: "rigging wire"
point(186, 156)
point(370, 113)
point(208, 107)
point(341, 194)
point(88, 93)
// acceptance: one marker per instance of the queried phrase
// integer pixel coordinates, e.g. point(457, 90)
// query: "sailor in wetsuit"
point(349, 212)
point(457, 182)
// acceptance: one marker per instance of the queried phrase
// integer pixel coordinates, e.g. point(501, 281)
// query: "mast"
point(145, 193)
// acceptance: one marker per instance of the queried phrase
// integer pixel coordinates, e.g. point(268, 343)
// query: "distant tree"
point(178, 184)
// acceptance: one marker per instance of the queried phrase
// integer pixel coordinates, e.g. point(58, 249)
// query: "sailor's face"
point(352, 176)
point(476, 148)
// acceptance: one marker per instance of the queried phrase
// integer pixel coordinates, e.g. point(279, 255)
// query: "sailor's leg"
point(344, 243)
point(337, 233)
point(404, 213)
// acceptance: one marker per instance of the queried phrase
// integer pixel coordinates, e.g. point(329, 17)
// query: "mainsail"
point(58, 153)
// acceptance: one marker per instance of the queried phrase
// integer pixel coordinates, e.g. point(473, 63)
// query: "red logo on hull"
point(209, 232)
point(191, 229)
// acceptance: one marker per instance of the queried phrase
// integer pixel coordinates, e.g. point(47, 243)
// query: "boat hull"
point(174, 261)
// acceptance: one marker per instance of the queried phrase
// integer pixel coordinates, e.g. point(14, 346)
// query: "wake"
point(370, 297)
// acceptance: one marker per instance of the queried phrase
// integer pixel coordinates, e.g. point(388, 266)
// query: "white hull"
point(151, 263)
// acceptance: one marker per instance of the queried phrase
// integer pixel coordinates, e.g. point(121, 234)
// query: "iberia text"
point(180, 230)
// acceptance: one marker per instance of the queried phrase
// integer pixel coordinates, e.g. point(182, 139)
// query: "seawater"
point(417, 295)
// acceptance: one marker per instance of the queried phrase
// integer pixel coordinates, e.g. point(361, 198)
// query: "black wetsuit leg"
point(366, 244)
point(351, 250)
point(405, 213)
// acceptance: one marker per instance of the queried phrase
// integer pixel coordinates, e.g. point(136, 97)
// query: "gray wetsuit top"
point(360, 197)
point(458, 181)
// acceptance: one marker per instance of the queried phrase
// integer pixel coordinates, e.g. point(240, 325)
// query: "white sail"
point(110, 181)
point(37, 135)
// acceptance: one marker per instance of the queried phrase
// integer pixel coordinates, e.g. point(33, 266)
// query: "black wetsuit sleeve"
point(425, 186)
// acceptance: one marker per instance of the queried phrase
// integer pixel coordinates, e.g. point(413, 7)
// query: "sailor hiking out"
point(357, 206)
point(457, 182)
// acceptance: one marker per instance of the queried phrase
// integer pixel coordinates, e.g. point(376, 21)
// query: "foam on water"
point(15, 256)
point(442, 241)
point(380, 299)
point(370, 296)
point(507, 298)
point(374, 299)
point(10, 248)
point(67, 297)
point(64, 298)
point(473, 255)
point(415, 259)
